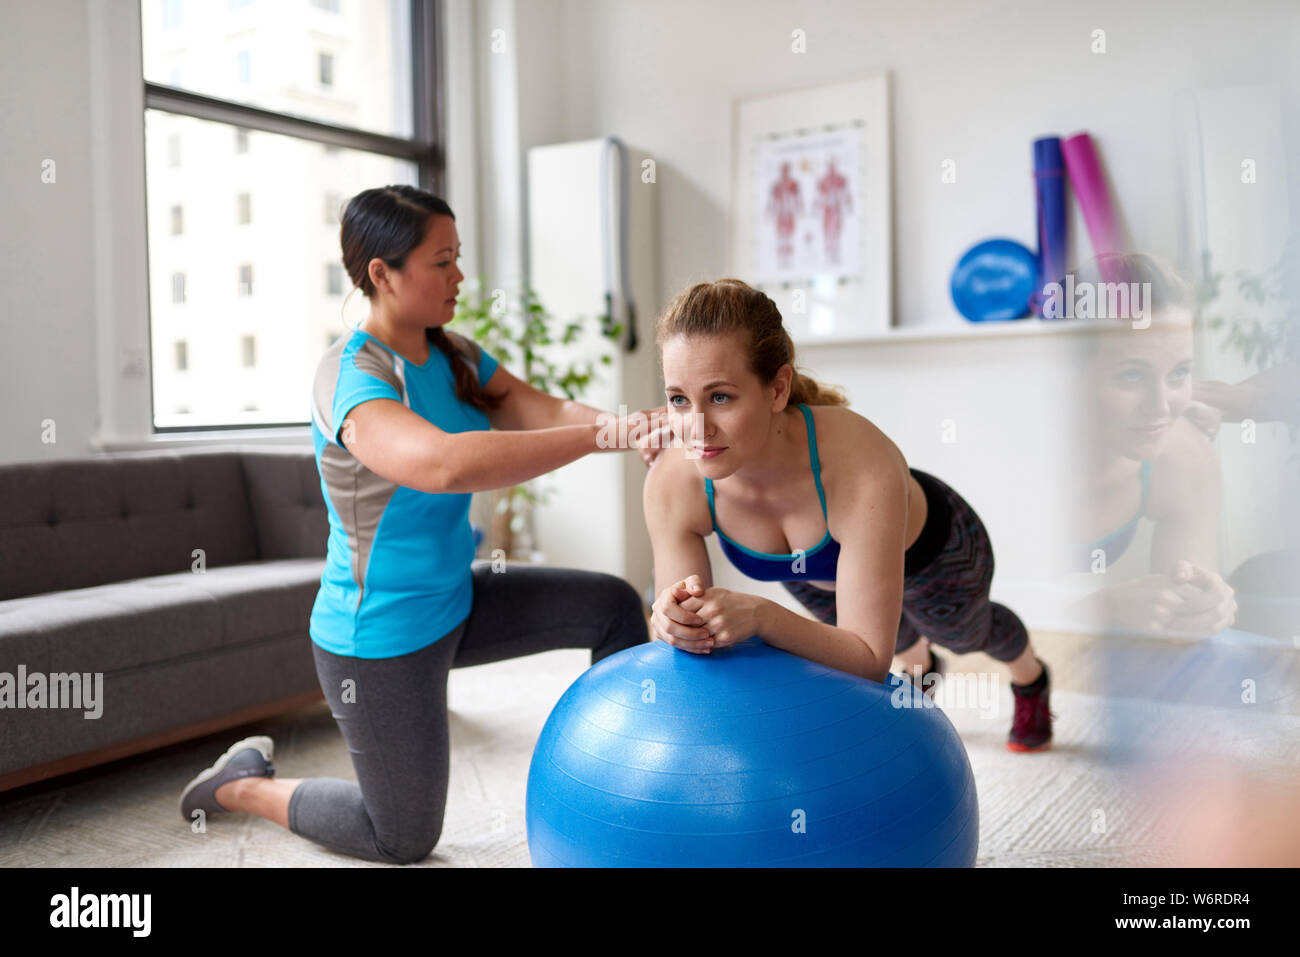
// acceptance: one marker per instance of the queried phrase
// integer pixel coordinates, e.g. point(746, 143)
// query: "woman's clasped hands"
point(689, 616)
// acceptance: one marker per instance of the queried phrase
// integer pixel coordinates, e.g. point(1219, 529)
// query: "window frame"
point(425, 148)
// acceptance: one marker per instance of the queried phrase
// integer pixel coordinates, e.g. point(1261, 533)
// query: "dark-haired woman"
point(408, 420)
point(803, 491)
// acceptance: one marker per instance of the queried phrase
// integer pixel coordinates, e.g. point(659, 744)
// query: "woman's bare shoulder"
point(674, 492)
point(861, 466)
point(1185, 473)
point(847, 438)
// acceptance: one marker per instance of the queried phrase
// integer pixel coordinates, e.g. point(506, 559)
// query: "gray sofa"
point(98, 576)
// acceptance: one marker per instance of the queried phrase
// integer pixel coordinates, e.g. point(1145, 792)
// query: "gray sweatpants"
point(396, 728)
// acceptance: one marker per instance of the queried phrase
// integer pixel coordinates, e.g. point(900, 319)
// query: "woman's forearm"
point(838, 648)
point(476, 461)
point(572, 412)
point(1281, 377)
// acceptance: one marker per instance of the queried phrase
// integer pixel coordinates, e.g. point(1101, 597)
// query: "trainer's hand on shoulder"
point(1205, 417)
point(673, 622)
point(652, 443)
point(657, 436)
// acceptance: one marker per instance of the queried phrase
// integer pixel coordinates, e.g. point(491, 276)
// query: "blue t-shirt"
point(397, 570)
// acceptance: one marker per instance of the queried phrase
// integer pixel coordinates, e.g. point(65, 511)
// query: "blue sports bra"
point(816, 563)
point(1117, 542)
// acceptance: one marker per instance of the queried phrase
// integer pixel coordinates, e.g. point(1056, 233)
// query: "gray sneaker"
point(247, 758)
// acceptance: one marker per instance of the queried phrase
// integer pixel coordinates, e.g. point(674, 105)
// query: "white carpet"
point(1081, 803)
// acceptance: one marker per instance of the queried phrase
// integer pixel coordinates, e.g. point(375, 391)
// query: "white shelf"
point(964, 330)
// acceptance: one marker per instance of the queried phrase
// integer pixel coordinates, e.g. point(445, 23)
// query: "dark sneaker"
point(1031, 727)
point(247, 758)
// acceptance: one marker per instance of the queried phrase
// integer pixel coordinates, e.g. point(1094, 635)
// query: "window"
point(172, 14)
point(174, 150)
point(236, 4)
point(330, 5)
point(182, 356)
point(370, 126)
point(390, 41)
point(178, 221)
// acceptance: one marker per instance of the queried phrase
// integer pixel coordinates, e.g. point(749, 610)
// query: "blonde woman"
point(804, 491)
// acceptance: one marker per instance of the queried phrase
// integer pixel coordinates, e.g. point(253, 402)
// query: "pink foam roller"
point(1089, 184)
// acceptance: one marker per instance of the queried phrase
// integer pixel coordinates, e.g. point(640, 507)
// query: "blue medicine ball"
point(749, 756)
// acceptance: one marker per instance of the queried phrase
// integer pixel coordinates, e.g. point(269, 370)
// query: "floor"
point(1145, 731)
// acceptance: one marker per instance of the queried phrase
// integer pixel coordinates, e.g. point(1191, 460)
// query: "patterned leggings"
point(946, 600)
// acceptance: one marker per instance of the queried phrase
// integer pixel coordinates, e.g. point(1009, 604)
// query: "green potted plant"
point(532, 342)
point(1260, 340)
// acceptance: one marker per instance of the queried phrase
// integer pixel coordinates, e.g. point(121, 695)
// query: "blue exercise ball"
point(746, 757)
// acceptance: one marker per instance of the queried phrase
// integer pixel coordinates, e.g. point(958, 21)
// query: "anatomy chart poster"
point(808, 206)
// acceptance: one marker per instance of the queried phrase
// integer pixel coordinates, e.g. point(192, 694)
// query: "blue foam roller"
point(1050, 199)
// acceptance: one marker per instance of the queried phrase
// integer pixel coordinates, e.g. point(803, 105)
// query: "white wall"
point(970, 82)
point(47, 262)
point(974, 82)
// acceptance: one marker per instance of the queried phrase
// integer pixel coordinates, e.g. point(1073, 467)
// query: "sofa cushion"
point(260, 600)
point(284, 492)
point(161, 697)
point(124, 625)
point(81, 522)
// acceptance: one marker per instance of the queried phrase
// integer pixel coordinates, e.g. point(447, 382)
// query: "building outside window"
point(376, 126)
point(333, 279)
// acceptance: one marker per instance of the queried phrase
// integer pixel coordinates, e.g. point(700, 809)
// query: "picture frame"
point(811, 207)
